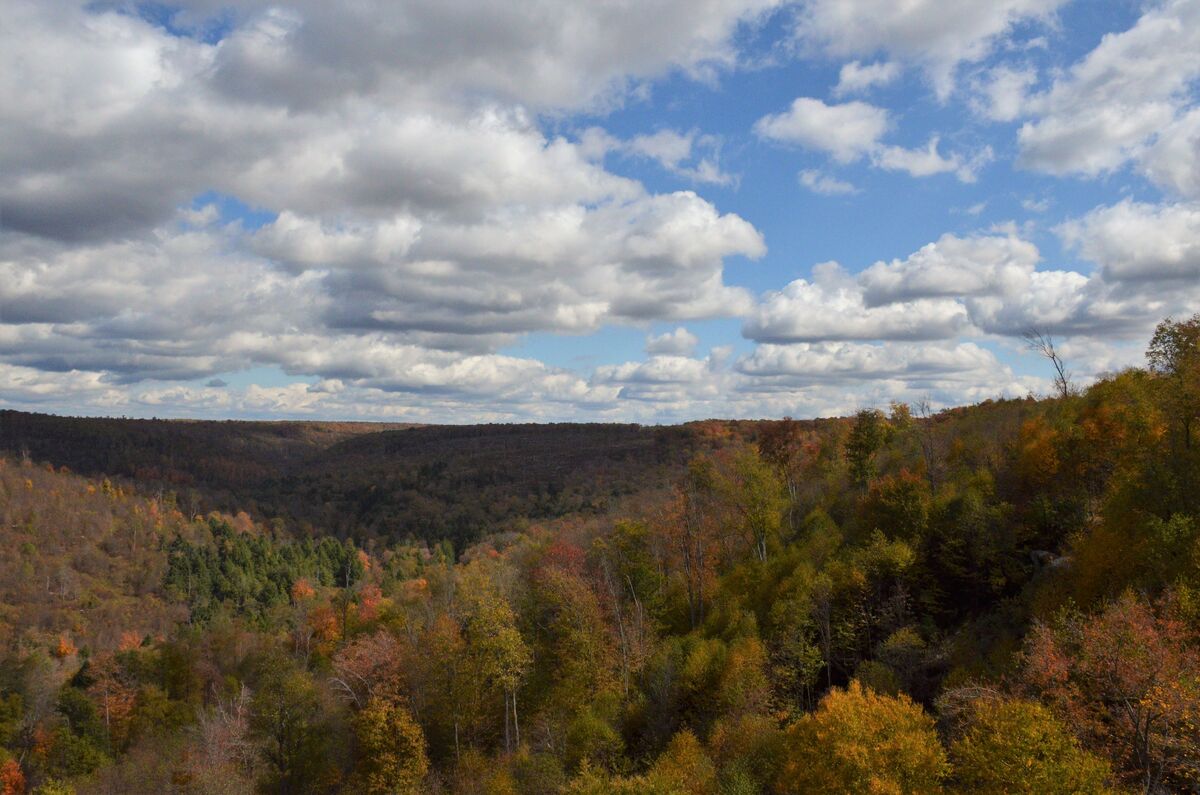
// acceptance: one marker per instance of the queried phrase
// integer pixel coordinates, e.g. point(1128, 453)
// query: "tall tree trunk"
point(615, 595)
point(516, 725)
point(507, 739)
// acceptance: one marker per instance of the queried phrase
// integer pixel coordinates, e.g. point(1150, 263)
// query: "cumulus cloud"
point(869, 374)
point(668, 147)
point(1138, 242)
point(662, 377)
point(1173, 158)
point(842, 361)
point(691, 155)
point(682, 154)
point(832, 307)
point(541, 54)
point(679, 342)
point(1002, 92)
point(846, 132)
point(988, 285)
point(379, 202)
point(1106, 109)
point(552, 395)
point(567, 268)
point(183, 305)
point(154, 307)
point(304, 242)
point(929, 161)
point(853, 130)
point(813, 379)
point(34, 389)
point(953, 267)
point(414, 217)
point(936, 35)
point(856, 76)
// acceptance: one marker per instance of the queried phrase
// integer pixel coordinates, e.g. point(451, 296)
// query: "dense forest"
point(998, 598)
point(360, 480)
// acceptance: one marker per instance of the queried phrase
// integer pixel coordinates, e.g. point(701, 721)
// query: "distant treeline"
point(366, 480)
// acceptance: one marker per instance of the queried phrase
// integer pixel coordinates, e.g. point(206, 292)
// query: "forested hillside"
point(366, 480)
point(992, 599)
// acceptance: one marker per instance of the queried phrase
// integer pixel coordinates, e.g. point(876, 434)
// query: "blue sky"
point(454, 211)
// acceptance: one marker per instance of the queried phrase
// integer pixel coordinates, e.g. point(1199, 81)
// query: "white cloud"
point(937, 35)
point(660, 389)
point(814, 379)
point(826, 377)
point(413, 214)
point(1100, 138)
point(550, 55)
point(668, 147)
point(418, 219)
point(832, 307)
point(1173, 158)
point(354, 108)
point(845, 361)
point(846, 132)
point(989, 285)
point(928, 161)
point(1002, 92)
point(953, 267)
point(856, 76)
point(545, 394)
point(1096, 356)
point(1056, 301)
point(690, 155)
point(679, 387)
point(1106, 109)
point(655, 376)
point(187, 303)
point(1133, 242)
point(32, 388)
point(302, 242)
point(852, 130)
point(825, 184)
point(679, 342)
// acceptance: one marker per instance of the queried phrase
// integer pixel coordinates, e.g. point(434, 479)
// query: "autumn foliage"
point(1129, 679)
point(1001, 598)
point(861, 741)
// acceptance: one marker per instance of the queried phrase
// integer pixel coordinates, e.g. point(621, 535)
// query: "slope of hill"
point(81, 556)
point(178, 452)
point(364, 479)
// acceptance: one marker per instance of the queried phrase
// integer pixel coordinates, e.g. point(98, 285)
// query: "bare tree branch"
point(1040, 342)
point(931, 443)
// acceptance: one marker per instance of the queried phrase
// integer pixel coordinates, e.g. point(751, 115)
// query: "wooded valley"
point(997, 598)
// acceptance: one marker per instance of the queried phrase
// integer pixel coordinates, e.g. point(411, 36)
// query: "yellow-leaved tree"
point(1018, 746)
point(859, 741)
point(391, 750)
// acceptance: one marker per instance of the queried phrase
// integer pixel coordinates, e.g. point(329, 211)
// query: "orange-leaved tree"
point(1129, 678)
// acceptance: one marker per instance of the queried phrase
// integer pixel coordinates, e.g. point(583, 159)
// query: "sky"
point(655, 211)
